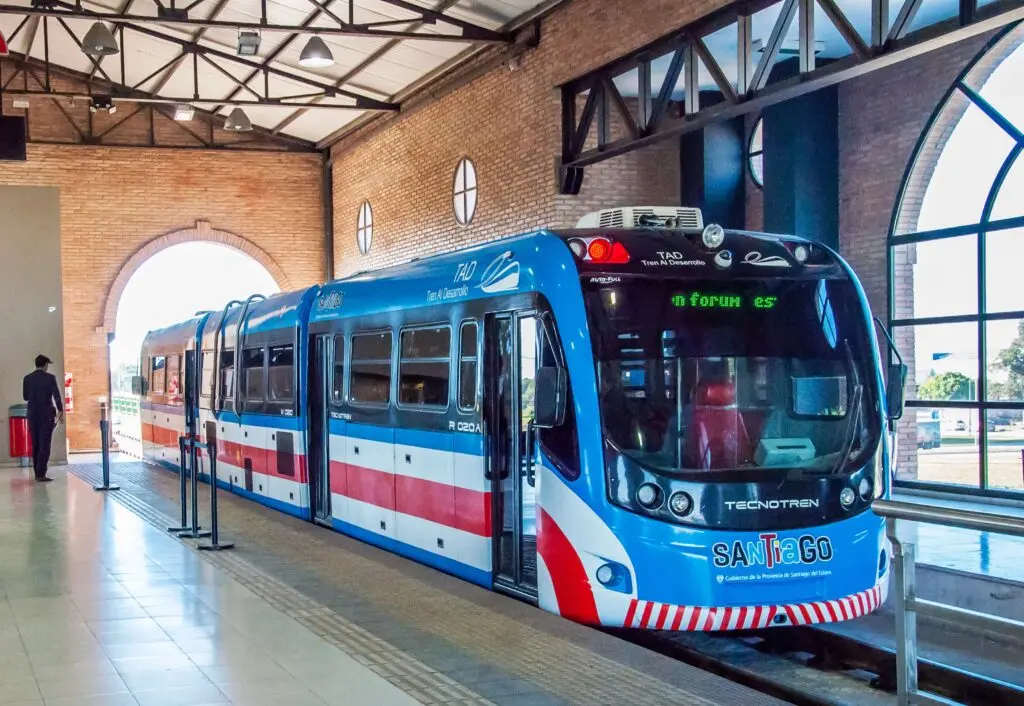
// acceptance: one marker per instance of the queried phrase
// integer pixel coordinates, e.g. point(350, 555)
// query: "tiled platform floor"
point(99, 606)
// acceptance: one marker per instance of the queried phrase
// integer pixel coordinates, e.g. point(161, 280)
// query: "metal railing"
point(906, 603)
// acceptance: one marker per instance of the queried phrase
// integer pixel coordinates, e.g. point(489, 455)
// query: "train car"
point(643, 423)
point(166, 359)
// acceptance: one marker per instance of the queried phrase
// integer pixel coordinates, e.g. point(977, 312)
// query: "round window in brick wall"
point(464, 191)
point(755, 153)
point(364, 228)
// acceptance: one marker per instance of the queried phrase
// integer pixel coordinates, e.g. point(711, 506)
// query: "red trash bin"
point(18, 436)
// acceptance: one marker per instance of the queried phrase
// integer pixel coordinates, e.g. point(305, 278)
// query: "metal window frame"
point(754, 90)
point(985, 225)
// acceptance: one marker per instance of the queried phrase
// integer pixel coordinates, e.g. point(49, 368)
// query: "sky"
point(160, 293)
point(945, 276)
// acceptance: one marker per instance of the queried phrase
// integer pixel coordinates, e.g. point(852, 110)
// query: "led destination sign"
point(705, 300)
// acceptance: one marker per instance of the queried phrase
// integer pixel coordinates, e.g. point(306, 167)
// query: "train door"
point(510, 349)
point(319, 431)
point(191, 396)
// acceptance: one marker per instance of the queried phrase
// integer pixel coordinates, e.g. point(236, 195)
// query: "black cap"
point(42, 360)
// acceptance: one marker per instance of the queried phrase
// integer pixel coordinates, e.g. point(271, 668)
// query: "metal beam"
point(903, 19)
point(469, 29)
point(69, 10)
point(196, 36)
point(771, 50)
point(843, 26)
point(124, 93)
point(362, 65)
point(174, 100)
point(922, 41)
point(362, 102)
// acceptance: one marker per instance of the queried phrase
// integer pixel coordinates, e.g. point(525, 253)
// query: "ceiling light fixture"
point(99, 41)
point(238, 121)
point(248, 42)
point(316, 54)
point(183, 112)
point(99, 103)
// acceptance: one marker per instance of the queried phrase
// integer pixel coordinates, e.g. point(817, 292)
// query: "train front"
point(740, 401)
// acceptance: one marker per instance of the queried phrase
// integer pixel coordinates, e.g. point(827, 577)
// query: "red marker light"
point(619, 256)
point(599, 250)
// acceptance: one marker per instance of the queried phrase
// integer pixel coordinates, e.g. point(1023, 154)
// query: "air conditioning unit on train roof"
point(680, 217)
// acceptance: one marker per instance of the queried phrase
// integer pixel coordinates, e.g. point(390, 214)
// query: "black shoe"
point(44, 479)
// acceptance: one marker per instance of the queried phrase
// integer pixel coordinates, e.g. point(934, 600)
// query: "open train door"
point(191, 394)
point(319, 430)
point(511, 360)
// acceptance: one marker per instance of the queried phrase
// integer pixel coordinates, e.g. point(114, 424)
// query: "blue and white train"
point(641, 422)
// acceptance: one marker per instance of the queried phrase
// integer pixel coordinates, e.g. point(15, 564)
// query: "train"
point(644, 421)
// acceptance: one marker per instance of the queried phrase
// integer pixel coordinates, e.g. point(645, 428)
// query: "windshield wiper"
point(853, 423)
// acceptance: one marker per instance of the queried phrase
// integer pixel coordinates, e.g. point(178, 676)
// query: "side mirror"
point(894, 390)
point(138, 385)
point(549, 397)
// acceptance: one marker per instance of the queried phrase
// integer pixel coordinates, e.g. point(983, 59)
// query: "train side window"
point(227, 379)
point(158, 383)
point(281, 373)
point(371, 368)
point(253, 384)
point(425, 366)
point(206, 379)
point(174, 376)
point(468, 383)
point(338, 376)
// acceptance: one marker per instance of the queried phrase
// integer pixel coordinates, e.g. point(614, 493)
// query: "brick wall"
point(115, 200)
point(508, 123)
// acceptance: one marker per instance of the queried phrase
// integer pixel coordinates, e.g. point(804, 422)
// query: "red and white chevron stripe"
point(664, 616)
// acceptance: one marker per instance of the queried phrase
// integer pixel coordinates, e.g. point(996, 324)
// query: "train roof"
point(172, 337)
point(277, 312)
point(470, 273)
point(514, 264)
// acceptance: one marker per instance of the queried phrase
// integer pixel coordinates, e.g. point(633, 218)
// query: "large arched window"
point(956, 254)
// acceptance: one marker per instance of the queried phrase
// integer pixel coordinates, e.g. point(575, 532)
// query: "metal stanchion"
point(194, 531)
point(214, 545)
point(105, 449)
point(183, 464)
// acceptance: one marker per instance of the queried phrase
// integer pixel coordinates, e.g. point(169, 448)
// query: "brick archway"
point(201, 232)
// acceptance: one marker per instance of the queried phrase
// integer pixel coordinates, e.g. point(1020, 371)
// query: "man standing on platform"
point(45, 411)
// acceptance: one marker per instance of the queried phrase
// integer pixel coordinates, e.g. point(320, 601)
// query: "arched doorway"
point(168, 287)
point(956, 253)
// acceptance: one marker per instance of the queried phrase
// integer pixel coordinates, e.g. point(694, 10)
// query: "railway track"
point(814, 667)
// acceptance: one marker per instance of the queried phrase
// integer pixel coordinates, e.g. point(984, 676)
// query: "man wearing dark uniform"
point(45, 410)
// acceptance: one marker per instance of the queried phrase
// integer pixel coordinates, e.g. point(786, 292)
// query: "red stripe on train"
point(568, 576)
point(463, 509)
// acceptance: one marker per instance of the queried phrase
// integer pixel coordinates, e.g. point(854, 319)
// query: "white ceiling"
point(401, 62)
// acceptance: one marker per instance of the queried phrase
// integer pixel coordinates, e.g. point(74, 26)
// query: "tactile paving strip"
point(317, 583)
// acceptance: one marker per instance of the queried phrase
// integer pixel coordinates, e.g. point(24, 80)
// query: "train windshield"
point(700, 376)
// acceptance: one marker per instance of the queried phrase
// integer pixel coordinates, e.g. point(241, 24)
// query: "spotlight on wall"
point(99, 103)
point(99, 41)
point(183, 112)
point(20, 103)
point(248, 42)
point(316, 54)
point(238, 121)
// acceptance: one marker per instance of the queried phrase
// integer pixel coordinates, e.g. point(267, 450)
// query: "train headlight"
point(680, 504)
point(800, 253)
point(847, 497)
point(605, 574)
point(649, 495)
point(713, 236)
point(865, 488)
